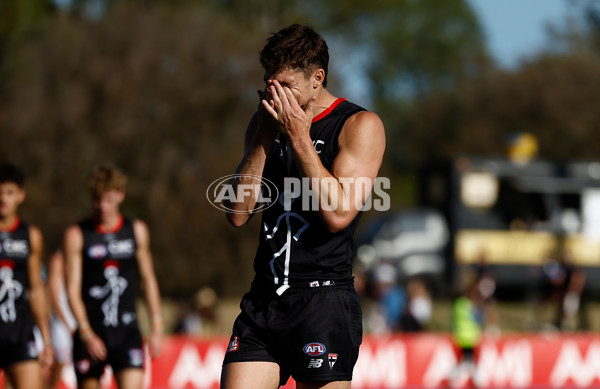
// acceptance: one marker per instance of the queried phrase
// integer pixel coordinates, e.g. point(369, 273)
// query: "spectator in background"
point(62, 323)
point(390, 299)
point(201, 319)
point(467, 326)
point(563, 285)
point(418, 308)
point(486, 285)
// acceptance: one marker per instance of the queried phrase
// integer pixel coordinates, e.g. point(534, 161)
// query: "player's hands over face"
point(95, 347)
point(295, 121)
point(266, 123)
point(156, 344)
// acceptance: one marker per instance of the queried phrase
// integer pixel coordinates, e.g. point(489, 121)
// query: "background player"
point(104, 254)
point(62, 324)
point(22, 294)
point(302, 316)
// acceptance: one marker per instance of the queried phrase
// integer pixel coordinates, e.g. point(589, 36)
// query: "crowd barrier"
point(400, 361)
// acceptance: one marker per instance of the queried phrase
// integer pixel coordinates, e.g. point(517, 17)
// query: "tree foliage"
point(165, 89)
point(550, 97)
point(158, 93)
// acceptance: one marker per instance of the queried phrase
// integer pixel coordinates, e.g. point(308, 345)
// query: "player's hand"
point(94, 346)
point(267, 125)
point(295, 121)
point(156, 344)
point(46, 358)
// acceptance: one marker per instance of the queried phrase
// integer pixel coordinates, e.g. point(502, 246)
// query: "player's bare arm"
point(72, 246)
point(362, 144)
point(149, 285)
point(56, 271)
point(258, 140)
point(37, 295)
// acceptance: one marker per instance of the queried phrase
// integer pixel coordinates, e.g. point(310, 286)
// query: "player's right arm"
point(56, 273)
point(37, 295)
point(73, 246)
point(260, 133)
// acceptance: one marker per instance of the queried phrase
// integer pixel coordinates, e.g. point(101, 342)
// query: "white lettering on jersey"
point(121, 247)
point(16, 247)
point(316, 143)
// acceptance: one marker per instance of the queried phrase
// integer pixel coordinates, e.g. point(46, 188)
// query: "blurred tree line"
point(164, 89)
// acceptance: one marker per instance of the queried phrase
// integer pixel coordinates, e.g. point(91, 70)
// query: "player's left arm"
point(149, 285)
point(37, 293)
point(353, 171)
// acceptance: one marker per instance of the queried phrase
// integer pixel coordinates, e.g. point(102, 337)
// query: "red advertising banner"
point(403, 361)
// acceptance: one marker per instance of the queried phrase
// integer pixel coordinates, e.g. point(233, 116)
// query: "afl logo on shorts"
point(136, 357)
point(97, 251)
point(314, 349)
point(32, 349)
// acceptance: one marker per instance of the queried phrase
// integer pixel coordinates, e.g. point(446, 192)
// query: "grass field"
point(513, 316)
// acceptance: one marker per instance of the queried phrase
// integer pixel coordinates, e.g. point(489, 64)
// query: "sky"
point(515, 28)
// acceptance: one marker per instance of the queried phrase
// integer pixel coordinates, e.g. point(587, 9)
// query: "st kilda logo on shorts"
point(332, 359)
point(314, 349)
point(234, 344)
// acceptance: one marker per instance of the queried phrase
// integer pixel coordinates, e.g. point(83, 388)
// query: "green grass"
point(513, 317)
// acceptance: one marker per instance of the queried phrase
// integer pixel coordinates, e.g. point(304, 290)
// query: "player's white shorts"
point(62, 341)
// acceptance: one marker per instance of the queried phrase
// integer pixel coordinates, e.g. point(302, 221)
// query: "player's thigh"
point(25, 375)
point(250, 375)
point(89, 383)
point(55, 375)
point(323, 385)
point(130, 378)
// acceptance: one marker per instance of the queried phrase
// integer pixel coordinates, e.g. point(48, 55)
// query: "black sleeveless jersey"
point(295, 247)
point(109, 277)
point(16, 318)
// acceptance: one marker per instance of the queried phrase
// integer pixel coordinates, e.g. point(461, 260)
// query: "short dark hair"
point(295, 47)
point(11, 173)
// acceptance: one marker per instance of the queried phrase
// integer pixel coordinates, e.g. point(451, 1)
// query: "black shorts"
point(312, 334)
point(128, 354)
point(15, 352)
